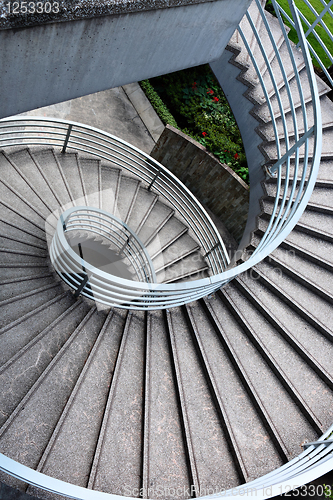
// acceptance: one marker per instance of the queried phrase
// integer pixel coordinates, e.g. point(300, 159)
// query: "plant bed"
point(193, 101)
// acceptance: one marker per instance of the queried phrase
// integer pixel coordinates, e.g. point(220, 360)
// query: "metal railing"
point(297, 138)
point(69, 265)
point(315, 461)
point(312, 29)
point(81, 138)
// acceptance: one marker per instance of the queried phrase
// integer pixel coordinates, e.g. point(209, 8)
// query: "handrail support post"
point(69, 130)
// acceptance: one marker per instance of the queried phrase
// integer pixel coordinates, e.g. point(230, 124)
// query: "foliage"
point(328, 492)
point(310, 16)
point(201, 110)
point(158, 104)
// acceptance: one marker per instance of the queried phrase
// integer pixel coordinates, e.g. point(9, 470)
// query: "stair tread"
point(49, 397)
point(185, 267)
point(118, 462)
point(181, 247)
point(110, 178)
point(22, 373)
point(169, 234)
point(271, 392)
point(246, 425)
point(90, 180)
point(311, 271)
point(144, 203)
point(197, 407)
point(303, 377)
point(84, 412)
point(51, 166)
point(127, 194)
point(70, 167)
point(262, 113)
point(267, 132)
point(159, 215)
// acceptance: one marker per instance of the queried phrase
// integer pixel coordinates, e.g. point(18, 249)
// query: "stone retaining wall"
point(215, 185)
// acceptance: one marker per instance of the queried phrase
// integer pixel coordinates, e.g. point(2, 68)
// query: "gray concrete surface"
point(51, 63)
point(144, 109)
point(110, 110)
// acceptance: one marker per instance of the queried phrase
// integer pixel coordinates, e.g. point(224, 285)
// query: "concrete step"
point(278, 336)
point(117, 463)
point(162, 424)
point(127, 194)
point(69, 164)
point(187, 266)
point(308, 246)
point(267, 133)
point(242, 58)
point(271, 86)
point(182, 247)
point(270, 150)
point(11, 240)
point(155, 222)
point(310, 274)
point(21, 198)
point(14, 179)
point(15, 307)
point(37, 177)
point(84, 410)
point(110, 181)
point(168, 235)
point(196, 404)
point(261, 112)
point(13, 287)
point(144, 203)
point(18, 333)
point(278, 404)
point(11, 256)
point(15, 222)
point(325, 173)
point(214, 352)
point(91, 182)
point(50, 165)
point(41, 407)
point(304, 301)
point(23, 369)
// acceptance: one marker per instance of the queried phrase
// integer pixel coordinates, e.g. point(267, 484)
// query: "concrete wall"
point(215, 185)
point(51, 63)
point(241, 107)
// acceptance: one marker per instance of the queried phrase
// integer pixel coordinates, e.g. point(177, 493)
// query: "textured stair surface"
point(169, 404)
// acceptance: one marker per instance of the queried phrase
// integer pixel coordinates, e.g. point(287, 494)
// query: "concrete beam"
point(55, 62)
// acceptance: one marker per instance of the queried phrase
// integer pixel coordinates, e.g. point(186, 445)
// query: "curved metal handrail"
point(312, 31)
point(69, 265)
point(293, 191)
point(68, 134)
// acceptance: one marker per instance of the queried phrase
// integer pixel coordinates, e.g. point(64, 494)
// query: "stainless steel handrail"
point(92, 220)
point(72, 135)
point(298, 150)
point(312, 31)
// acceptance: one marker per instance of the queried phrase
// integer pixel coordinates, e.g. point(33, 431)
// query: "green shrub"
point(199, 107)
point(158, 104)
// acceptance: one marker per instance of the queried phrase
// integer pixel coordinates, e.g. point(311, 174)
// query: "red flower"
point(215, 99)
point(210, 91)
point(204, 133)
point(236, 156)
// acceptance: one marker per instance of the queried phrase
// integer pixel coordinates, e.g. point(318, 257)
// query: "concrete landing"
point(112, 111)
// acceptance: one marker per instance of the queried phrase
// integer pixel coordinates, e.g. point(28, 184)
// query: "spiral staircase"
point(179, 401)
